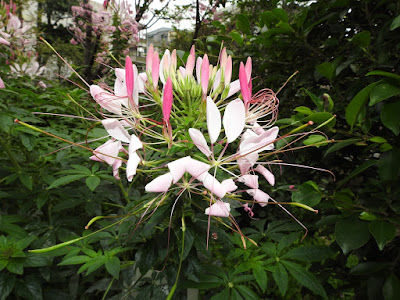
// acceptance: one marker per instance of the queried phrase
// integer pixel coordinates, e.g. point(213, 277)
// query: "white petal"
point(249, 180)
point(116, 130)
point(266, 173)
point(218, 209)
point(217, 80)
point(199, 61)
point(261, 142)
point(132, 165)
point(120, 85)
point(197, 169)
point(178, 168)
point(234, 119)
point(134, 144)
point(199, 140)
point(107, 152)
point(164, 65)
point(229, 185)
point(214, 186)
point(160, 184)
point(258, 195)
point(142, 78)
point(105, 99)
point(213, 120)
point(234, 87)
point(135, 94)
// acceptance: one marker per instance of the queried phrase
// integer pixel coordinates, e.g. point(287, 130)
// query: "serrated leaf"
point(26, 180)
point(305, 278)
point(28, 141)
point(65, 180)
point(281, 278)
point(261, 277)
point(351, 234)
point(383, 232)
point(7, 282)
point(75, 260)
point(113, 266)
point(246, 292)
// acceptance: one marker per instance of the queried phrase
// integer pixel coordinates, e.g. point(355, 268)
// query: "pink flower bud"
point(129, 80)
point(205, 74)
point(167, 100)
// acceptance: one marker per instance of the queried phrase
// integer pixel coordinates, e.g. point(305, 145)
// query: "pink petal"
point(246, 93)
point(129, 76)
point(199, 140)
point(249, 180)
point(244, 165)
point(219, 209)
point(155, 69)
point(223, 58)
point(228, 71)
point(149, 58)
point(190, 62)
point(167, 99)
point(205, 74)
point(234, 119)
point(213, 120)
point(199, 62)
point(116, 130)
point(258, 195)
point(197, 169)
point(266, 173)
point(229, 185)
point(2, 85)
point(105, 99)
point(178, 167)
point(160, 184)
point(248, 68)
point(258, 129)
point(213, 185)
point(132, 165)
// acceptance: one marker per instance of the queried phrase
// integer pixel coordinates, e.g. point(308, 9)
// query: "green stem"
point(172, 292)
point(108, 289)
point(124, 192)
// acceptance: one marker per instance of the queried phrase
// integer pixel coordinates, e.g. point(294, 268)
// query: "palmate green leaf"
point(75, 260)
point(383, 232)
point(390, 116)
point(26, 180)
point(382, 92)
point(246, 292)
point(312, 253)
point(305, 278)
point(261, 276)
point(113, 266)
point(223, 295)
point(357, 103)
point(93, 265)
point(281, 278)
point(92, 182)
point(16, 266)
point(351, 234)
point(65, 180)
point(7, 282)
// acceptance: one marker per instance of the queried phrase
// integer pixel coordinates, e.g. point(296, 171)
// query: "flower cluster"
point(16, 36)
point(199, 107)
